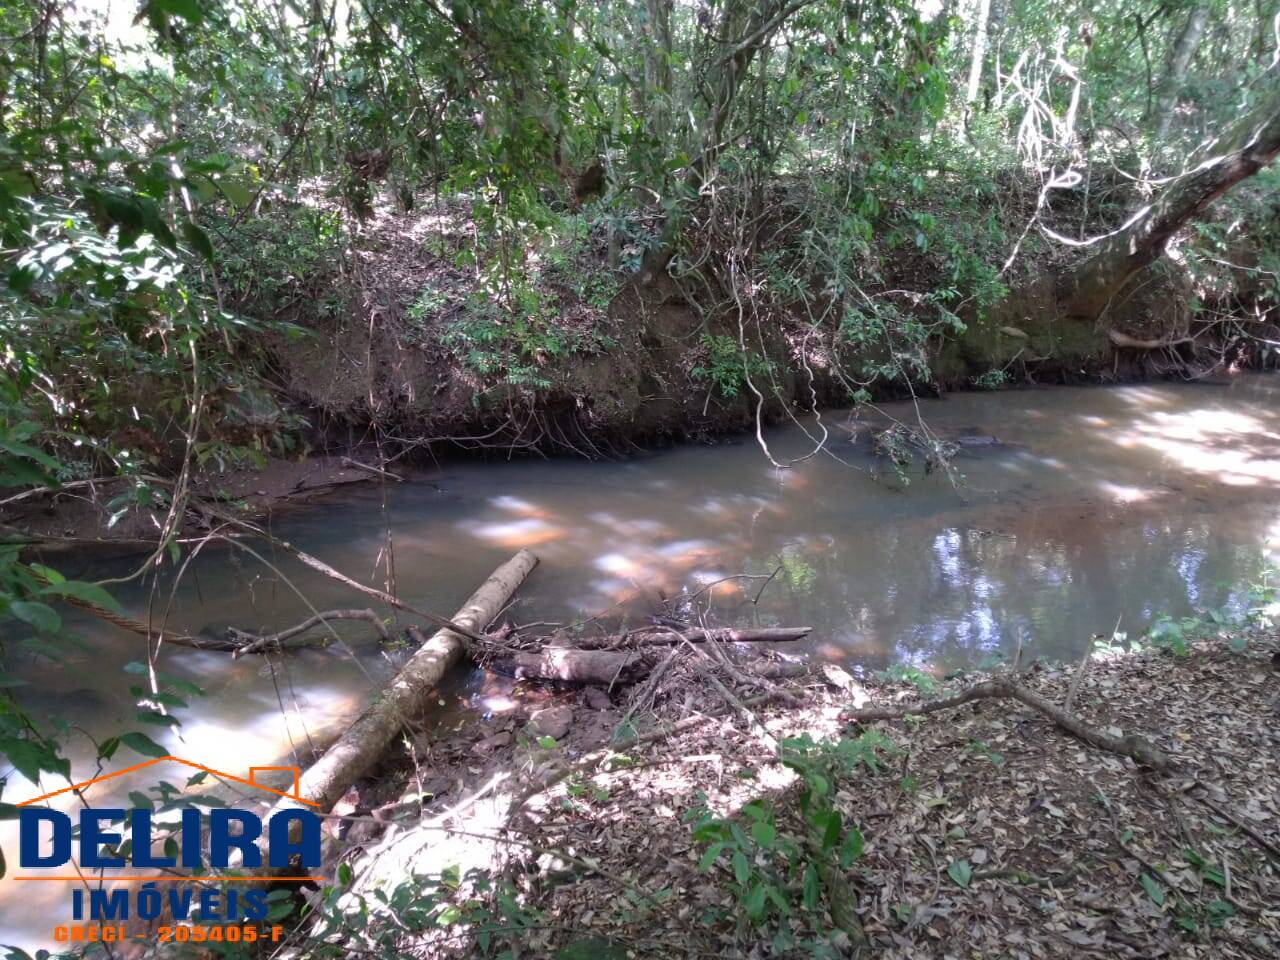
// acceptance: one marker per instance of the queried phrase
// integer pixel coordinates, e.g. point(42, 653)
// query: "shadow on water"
point(1096, 506)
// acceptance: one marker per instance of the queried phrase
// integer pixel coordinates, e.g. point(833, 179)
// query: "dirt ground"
point(987, 830)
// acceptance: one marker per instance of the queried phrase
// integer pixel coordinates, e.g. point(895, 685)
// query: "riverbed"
point(1066, 512)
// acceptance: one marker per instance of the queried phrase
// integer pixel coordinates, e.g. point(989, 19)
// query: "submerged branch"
point(255, 643)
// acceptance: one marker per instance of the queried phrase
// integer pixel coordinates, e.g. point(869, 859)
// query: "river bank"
point(981, 829)
point(1126, 503)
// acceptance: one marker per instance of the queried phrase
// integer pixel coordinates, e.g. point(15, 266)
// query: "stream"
point(1094, 506)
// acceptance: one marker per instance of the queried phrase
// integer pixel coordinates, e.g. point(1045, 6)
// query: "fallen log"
point(359, 748)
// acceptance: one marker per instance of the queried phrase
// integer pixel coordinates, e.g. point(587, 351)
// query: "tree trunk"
point(742, 31)
point(359, 748)
point(1183, 51)
point(657, 68)
point(979, 51)
point(1087, 292)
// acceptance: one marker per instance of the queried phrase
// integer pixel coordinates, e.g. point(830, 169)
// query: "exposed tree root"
point(1137, 748)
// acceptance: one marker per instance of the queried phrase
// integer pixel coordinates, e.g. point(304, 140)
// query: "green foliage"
point(486, 910)
point(726, 366)
point(512, 345)
point(992, 380)
point(287, 263)
point(1176, 634)
point(767, 856)
point(905, 673)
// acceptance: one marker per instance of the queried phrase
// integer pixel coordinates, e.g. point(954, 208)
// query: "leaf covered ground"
point(979, 831)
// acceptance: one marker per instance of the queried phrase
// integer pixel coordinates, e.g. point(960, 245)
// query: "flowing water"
point(1095, 506)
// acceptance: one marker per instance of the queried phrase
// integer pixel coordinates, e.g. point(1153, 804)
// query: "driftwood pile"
point(640, 654)
point(610, 660)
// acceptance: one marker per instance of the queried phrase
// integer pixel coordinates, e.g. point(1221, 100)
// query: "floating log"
point(359, 748)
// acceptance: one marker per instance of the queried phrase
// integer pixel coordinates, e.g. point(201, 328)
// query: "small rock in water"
point(551, 722)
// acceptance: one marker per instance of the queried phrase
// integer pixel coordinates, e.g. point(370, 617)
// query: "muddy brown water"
point(1095, 506)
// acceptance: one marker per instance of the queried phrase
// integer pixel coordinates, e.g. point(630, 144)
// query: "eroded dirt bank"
point(409, 343)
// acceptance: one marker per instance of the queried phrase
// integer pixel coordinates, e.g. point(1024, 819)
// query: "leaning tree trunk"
point(1086, 293)
point(1185, 48)
point(357, 750)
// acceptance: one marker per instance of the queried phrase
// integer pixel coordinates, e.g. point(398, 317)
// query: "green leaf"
point(960, 872)
point(831, 836)
point(851, 849)
point(778, 899)
point(198, 239)
point(39, 615)
point(30, 453)
point(754, 904)
point(709, 857)
point(1153, 888)
point(157, 718)
point(810, 897)
point(741, 869)
point(764, 833)
point(141, 743)
point(86, 592)
point(596, 948)
point(47, 573)
point(27, 756)
point(236, 192)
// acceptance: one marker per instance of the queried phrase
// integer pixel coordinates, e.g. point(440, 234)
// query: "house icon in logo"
point(250, 781)
point(236, 837)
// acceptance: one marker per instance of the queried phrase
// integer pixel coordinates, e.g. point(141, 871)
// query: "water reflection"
point(1097, 505)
